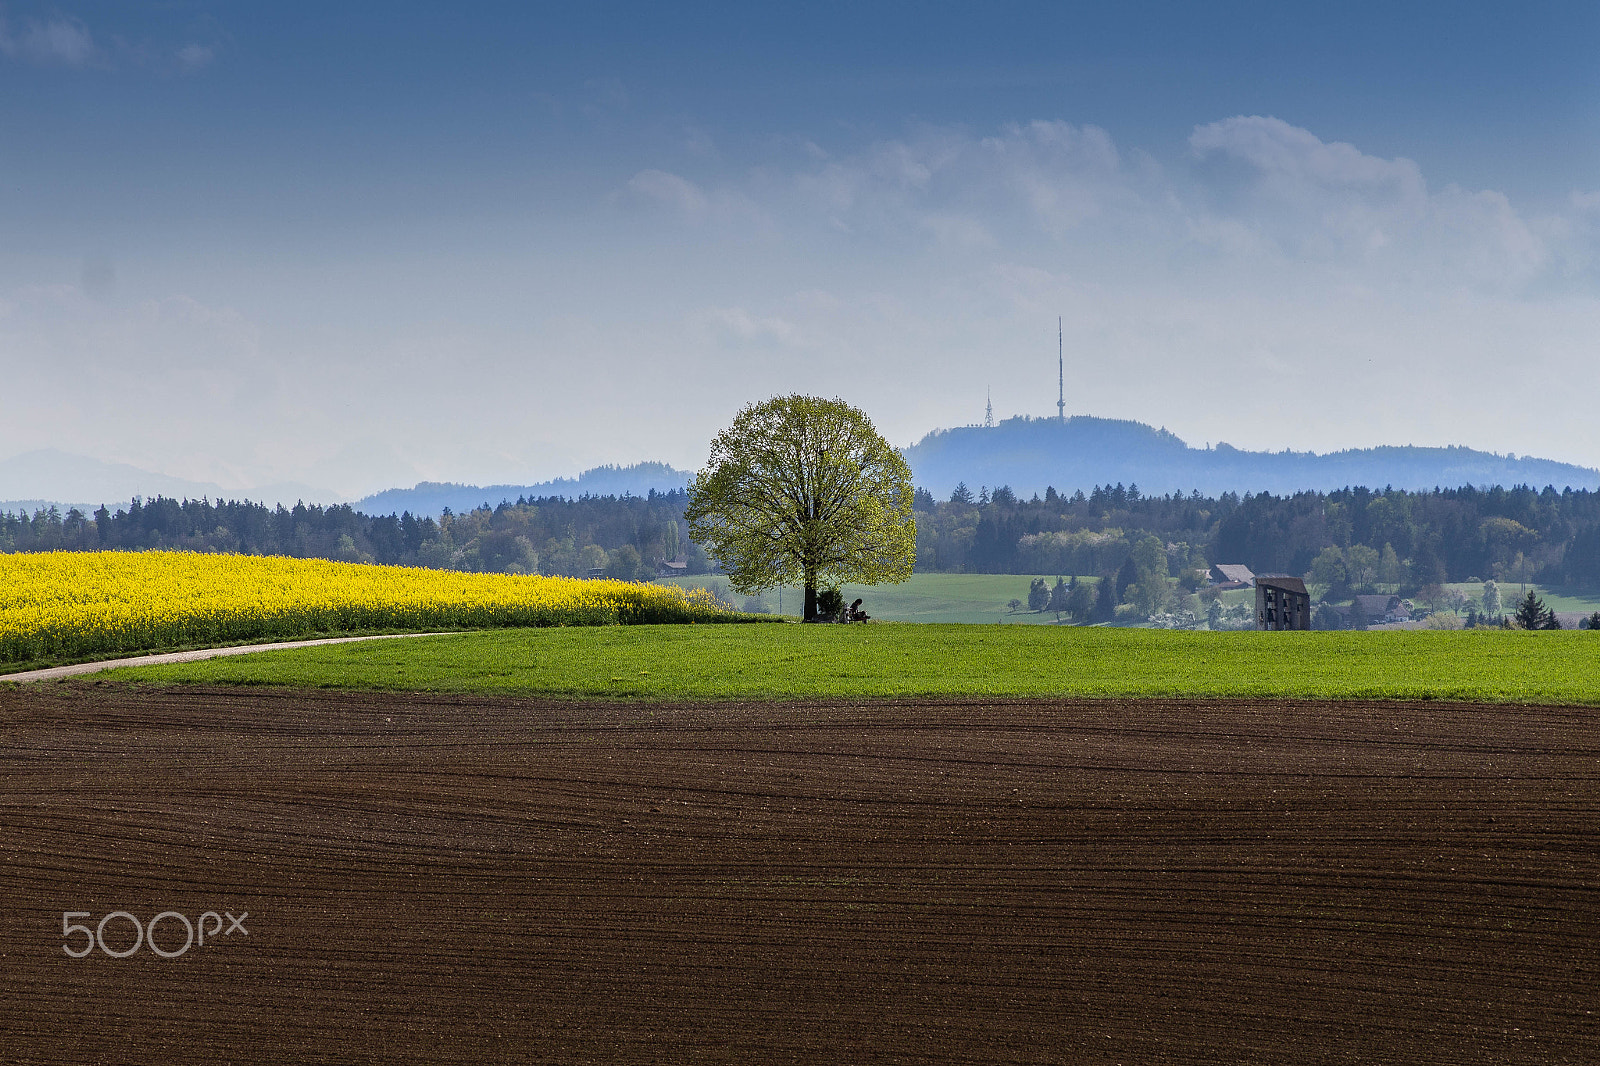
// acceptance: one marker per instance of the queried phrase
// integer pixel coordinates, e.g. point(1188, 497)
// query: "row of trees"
point(1140, 587)
point(1085, 601)
point(627, 537)
point(1346, 541)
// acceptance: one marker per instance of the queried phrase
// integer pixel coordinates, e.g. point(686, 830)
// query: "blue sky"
point(254, 243)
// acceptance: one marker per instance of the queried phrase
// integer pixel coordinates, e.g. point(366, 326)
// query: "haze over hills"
point(51, 478)
point(1027, 454)
point(48, 476)
point(431, 497)
point(1031, 454)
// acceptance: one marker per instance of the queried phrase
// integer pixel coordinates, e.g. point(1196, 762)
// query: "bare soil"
point(453, 879)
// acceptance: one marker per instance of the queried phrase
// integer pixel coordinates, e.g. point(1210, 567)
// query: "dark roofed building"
point(1369, 610)
point(1282, 602)
point(1232, 575)
point(1332, 615)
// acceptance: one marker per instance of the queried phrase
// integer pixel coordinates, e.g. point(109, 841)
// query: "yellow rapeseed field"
point(63, 604)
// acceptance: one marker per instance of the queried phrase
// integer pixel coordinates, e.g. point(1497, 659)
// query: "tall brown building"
point(1282, 602)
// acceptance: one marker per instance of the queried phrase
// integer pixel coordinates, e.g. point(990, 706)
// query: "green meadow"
point(849, 662)
point(982, 598)
point(969, 598)
point(1557, 599)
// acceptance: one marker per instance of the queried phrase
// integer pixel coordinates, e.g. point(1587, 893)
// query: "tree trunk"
point(811, 600)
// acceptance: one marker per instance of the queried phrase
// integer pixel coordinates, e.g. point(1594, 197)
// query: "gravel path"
point(55, 673)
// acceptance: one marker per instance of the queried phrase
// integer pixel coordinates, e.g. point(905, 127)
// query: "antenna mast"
point(1061, 374)
point(988, 410)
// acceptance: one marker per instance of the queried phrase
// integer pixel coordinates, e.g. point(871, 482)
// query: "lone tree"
point(802, 489)
point(1491, 599)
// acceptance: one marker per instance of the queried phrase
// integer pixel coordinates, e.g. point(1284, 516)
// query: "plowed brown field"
point(473, 880)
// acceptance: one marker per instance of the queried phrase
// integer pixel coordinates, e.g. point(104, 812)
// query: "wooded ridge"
point(1434, 536)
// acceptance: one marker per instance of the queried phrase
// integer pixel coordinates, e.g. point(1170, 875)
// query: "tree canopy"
point(804, 490)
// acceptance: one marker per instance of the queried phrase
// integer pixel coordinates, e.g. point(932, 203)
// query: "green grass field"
point(971, 598)
point(1557, 599)
point(1566, 600)
point(847, 662)
point(982, 598)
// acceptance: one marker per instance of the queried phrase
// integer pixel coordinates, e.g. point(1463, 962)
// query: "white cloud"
point(728, 208)
point(1328, 202)
point(1065, 174)
point(929, 265)
point(906, 274)
point(59, 41)
point(1258, 193)
point(1062, 175)
point(66, 41)
point(1483, 236)
point(680, 194)
point(1277, 149)
point(192, 57)
point(959, 231)
point(737, 327)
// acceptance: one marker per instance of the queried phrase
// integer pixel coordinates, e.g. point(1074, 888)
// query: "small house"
point(1232, 576)
point(1282, 602)
point(1377, 609)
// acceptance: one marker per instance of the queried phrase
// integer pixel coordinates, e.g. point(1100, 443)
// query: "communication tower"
point(1061, 374)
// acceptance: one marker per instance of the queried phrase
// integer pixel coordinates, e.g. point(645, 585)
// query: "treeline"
point(1416, 538)
point(626, 537)
point(1354, 537)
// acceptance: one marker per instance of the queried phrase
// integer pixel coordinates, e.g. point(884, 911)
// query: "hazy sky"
point(358, 245)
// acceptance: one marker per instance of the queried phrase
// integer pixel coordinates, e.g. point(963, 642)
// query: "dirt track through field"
point(59, 673)
point(471, 880)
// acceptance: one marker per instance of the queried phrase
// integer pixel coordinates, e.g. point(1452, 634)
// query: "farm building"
point(1377, 610)
point(1232, 576)
point(1282, 602)
point(1364, 611)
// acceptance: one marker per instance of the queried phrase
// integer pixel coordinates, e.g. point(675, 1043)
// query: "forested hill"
point(1033, 454)
point(1414, 539)
point(432, 497)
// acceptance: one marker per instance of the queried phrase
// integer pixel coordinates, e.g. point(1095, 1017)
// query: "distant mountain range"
point(1031, 454)
point(431, 497)
point(1027, 454)
point(51, 478)
point(47, 477)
